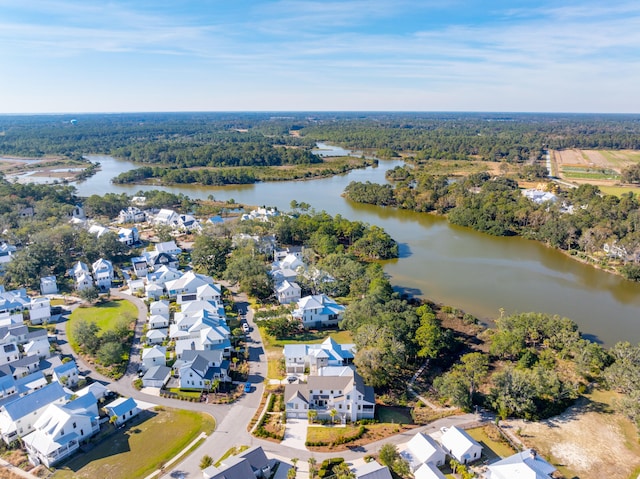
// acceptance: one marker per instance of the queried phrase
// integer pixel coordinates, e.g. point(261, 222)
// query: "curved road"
point(232, 419)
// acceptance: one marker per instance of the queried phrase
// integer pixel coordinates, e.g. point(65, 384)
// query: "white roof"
point(522, 465)
point(459, 442)
point(424, 448)
point(430, 471)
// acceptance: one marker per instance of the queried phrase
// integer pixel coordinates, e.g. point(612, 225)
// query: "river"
point(478, 273)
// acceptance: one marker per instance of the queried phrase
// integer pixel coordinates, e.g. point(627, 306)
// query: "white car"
point(245, 327)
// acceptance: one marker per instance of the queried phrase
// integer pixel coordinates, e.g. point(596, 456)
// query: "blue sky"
point(245, 55)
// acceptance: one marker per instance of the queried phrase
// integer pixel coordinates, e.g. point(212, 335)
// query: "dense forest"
point(243, 139)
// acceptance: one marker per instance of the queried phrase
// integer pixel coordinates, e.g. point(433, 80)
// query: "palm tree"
point(312, 414)
point(333, 413)
point(215, 384)
point(312, 467)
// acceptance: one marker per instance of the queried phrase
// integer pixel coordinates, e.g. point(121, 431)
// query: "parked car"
point(247, 387)
point(292, 379)
point(245, 327)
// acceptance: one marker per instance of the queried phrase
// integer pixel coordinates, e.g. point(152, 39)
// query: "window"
point(74, 425)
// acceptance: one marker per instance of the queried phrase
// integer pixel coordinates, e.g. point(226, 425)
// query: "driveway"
point(295, 434)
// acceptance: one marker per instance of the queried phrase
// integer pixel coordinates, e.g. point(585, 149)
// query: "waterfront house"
point(318, 311)
point(132, 214)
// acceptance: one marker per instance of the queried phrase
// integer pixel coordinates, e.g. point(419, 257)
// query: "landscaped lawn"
point(140, 448)
point(104, 315)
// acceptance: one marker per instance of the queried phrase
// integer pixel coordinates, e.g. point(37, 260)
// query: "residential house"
point(103, 273)
point(140, 266)
point(299, 357)
point(156, 336)
point(429, 471)
point(156, 260)
point(249, 464)
point(341, 389)
point(169, 247)
point(525, 464)
point(163, 275)
point(38, 346)
point(84, 281)
point(158, 322)
point(160, 308)
point(98, 230)
point(29, 383)
point(318, 311)
point(14, 301)
point(423, 449)
point(372, 470)
point(198, 371)
point(167, 217)
point(48, 285)
point(260, 214)
point(67, 374)
point(459, 445)
point(78, 269)
point(22, 366)
point(98, 390)
point(60, 430)
point(132, 214)
point(153, 292)
point(136, 286)
point(129, 236)
point(123, 409)
point(184, 288)
point(156, 376)
point(18, 417)
point(14, 333)
point(40, 310)
point(287, 269)
point(288, 292)
point(189, 223)
point(155, 356)
point(6, 254)
point(539, 196)
point(297, 251)
point(8, 353)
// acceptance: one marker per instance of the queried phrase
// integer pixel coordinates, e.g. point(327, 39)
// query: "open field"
point(619, 190)
point(599, 167)
point(103, 314)
point(140, 448)
point(589, 440)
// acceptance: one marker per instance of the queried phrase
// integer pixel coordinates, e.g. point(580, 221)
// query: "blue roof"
point(34, 401)
point(83, 402)
point(65, 368)
point(125, 406)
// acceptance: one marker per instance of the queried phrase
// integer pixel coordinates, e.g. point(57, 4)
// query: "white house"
point(423, 449)
point(163, 275)
point(60, 430)
point(159, 308)
point(84, 281)
point(185, 287)
point(199, 372)
point(288, 292)
point(156, 336)
point(132, 214)
point(372, 470)
point(38, 347)
point(538, 196)
point(167, 217)
point(6, 254)
point(158, 322)
point(67, 374)
point(318, 311)
point(136, 286)
point(140, 266)
point(341, 389)
point(40, 310)
point(460, 445)
point(156, 377)
point(298, 357)
point(153, 291)
point(18, 417)
point(524, 464)
point(155, 356)
point(129, 236)
point(169, 247)
point(48, 285)
point(98, 390)
point(8, 353)
point(123, 409)
point(98, 230)
point(429, 471)
point(249, 464)
point(103, 273)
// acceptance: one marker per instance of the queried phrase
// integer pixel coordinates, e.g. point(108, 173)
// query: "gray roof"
point(296, 390)
point(328, 382)
point(157, 373)
point(372, 470)
point(34, 401)
point(256, 457)
point(233, 467)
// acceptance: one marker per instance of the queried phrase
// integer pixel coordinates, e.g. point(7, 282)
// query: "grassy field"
point(619, 190)
point(493, 449)
point(104, 315)
point(140, 448)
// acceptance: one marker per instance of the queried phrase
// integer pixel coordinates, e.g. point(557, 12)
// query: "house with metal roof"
point(318, 311)
point(67, 374)
point(18, 417)
point(60, 430)
point(156, 376)
point(249, 464)
point(422, 449)
point(298, 357)
point(341, 389)
point(372, 470)
point(525, 464)
point(460, 445)
point(429, 471)
point(123, 409)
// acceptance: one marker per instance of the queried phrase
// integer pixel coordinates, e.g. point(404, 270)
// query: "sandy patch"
point(587, 441)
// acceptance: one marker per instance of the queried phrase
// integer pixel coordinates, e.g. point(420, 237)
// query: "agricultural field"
point(599, 167)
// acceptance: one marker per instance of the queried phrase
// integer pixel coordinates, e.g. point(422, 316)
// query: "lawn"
point(103, 314)
point(619, 190)
point(493, 448)
point(140, 448)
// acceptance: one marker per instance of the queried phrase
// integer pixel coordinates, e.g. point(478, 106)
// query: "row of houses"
point(16, 304)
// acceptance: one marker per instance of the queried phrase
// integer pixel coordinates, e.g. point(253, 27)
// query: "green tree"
point(312, 414)
point(333, 413)
point(206, 461)
point(109, 353)
point(85, 334)
point(209, 255)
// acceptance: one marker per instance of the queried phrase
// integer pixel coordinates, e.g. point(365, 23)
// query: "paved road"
point(232, 420)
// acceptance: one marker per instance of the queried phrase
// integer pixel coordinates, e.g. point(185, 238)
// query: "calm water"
point(447, 264)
